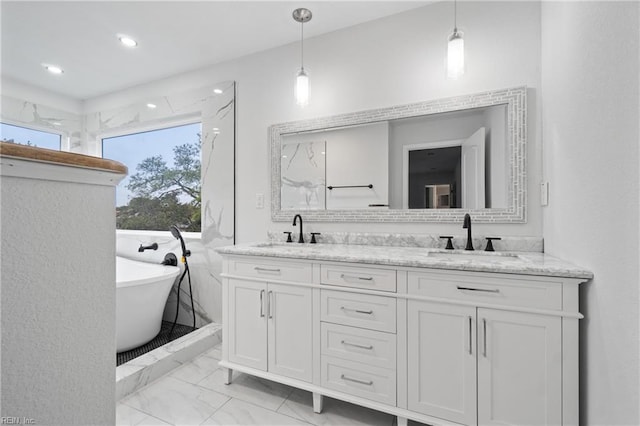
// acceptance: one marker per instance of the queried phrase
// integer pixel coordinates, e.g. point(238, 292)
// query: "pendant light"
point(455, 49)
point(302, 15)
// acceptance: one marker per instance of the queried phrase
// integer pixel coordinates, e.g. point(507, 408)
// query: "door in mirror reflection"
point(446, 174)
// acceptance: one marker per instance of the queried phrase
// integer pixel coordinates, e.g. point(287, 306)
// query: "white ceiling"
point(173, 36)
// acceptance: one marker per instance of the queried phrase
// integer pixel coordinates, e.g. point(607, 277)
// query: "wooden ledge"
point(60, 157)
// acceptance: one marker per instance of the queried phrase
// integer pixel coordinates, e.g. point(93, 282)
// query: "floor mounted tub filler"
point(142, 290)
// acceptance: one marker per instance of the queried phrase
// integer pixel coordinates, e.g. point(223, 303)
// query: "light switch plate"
point(259, 201)
point(544, 193)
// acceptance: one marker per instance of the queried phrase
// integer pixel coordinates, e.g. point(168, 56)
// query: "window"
point(163, 185)
point(31, 137)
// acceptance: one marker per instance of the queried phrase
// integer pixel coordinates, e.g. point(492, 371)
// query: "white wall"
point(18, 90)
point(590, 100)
point(58, 299)
point(395, 60)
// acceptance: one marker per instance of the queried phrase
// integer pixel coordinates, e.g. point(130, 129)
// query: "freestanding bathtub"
point(142, 290)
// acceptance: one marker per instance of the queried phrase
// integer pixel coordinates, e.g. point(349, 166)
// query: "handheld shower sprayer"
point(185, 253)
point(178, 236)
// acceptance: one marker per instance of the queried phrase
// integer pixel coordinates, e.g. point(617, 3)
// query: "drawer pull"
point(353, 277)
point(261, 303)
point(470, 336)
point(358, 311)
point(259, 269)
point(486, 290)
point(484, 337)
point(367, 347)
point(351, 379)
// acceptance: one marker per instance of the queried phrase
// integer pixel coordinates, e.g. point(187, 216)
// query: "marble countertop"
point(526, 263)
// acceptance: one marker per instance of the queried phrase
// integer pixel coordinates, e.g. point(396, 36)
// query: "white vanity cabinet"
point(270, 325)
point(489, 352)
point(438, 346)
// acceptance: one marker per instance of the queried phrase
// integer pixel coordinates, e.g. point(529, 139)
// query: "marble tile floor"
point(194, 394)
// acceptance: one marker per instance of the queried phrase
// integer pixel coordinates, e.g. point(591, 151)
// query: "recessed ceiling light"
point(53, 69)
point(127, 41)
point(151, 106)
point(57, 123)
point(217, 91)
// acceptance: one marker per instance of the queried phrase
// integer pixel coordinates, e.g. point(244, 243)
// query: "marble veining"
point(43, 117)
point(303, 175)
point(141, 371)
point(526, 263)
point(528, 244)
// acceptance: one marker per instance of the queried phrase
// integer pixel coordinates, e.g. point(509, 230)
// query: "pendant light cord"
point(455, 16)
point(302, 45)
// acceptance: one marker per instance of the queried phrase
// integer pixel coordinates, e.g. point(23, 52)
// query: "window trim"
point(61, 134)
point(150, 127)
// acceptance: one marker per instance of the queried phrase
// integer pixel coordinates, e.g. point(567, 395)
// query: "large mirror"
point(431, 161)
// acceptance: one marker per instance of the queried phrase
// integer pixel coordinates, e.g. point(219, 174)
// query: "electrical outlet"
point(544, 193)
point(259, 201)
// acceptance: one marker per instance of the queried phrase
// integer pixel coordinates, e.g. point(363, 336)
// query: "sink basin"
point(481, 256)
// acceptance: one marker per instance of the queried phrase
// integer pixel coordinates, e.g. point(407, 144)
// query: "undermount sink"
point(479, 256)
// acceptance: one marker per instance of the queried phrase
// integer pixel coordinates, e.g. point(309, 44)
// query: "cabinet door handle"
point(259, 269)
point(470, 336)
point(351, 379)
point(484, 337)
point(270, 302)
point(367, 347)
point(486, 290)
point(344, 308)
point(354, 277)
point(262, 303)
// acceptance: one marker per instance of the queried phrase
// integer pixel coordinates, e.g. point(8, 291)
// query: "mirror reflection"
point(450, 160)
point(431, 161)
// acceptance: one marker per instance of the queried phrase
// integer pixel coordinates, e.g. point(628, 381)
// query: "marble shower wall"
point(216, 111)
point(42, 117)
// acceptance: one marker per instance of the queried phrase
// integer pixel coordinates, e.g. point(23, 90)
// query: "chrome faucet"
point(466, 224)
point(295, 222)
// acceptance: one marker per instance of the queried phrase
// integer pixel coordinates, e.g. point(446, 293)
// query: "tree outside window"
point(163, 187)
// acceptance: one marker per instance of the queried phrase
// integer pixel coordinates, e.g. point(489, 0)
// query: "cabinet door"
point(442, 360)
point(519, 368)
point(290, 331)
point(248, 323)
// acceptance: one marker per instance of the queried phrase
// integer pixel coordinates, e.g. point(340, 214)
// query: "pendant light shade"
point(302, 80)
point(455, 49)
point(455, 56)
point(302, 88)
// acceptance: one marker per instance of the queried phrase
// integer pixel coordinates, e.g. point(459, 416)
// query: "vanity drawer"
point(512, 291)
point(271, 269)
point(375, 383)
point(355, 344)
point(359, 310)
point(358, 277)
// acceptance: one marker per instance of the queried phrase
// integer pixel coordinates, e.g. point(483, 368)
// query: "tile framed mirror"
point(430, 161)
